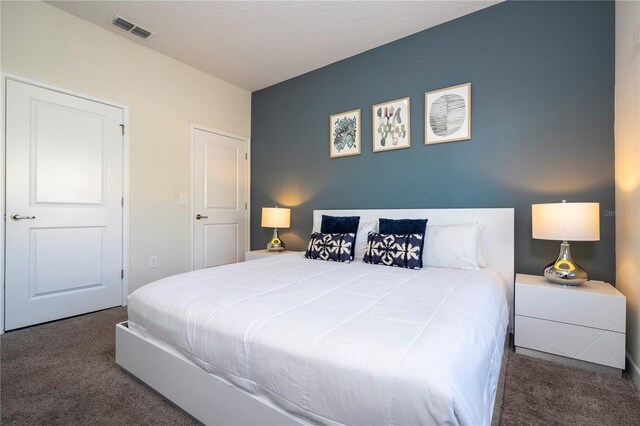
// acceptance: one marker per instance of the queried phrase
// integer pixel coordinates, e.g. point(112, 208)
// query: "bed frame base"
point(204, 396)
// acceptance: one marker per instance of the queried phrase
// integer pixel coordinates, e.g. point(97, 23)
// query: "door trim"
point(192, 127)
point(8, 75)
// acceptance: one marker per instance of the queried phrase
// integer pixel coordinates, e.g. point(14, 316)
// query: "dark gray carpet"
point(539, 392)
point(64, 373)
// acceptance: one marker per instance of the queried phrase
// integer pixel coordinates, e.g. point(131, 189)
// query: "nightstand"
point(581, 325)
point(259, 254)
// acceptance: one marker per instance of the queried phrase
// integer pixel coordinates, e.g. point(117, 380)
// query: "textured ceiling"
point(255, 44)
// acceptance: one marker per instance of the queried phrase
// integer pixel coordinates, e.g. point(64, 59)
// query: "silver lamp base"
point(276, 244)
point(565, 270)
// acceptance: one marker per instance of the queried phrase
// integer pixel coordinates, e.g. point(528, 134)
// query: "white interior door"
point(219, 199)
point(64, 186)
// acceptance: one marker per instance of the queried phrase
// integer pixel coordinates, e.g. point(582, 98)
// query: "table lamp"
point(563, 222)
point(273, 217)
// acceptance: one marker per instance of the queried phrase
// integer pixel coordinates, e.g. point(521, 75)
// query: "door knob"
point(199, 216)
point(17, 216)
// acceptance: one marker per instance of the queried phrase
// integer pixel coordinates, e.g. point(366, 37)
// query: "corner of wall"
point(627, 157)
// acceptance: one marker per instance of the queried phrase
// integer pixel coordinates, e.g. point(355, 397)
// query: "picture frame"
point(447, 115)
point(344, 134)
point(391, 125)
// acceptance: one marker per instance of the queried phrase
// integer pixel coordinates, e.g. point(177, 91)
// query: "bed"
point(288, 340)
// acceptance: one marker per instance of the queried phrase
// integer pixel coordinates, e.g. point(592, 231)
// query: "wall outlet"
point(153, 261)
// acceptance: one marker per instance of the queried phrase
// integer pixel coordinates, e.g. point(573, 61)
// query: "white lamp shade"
point(274, 217)
point(566, 221)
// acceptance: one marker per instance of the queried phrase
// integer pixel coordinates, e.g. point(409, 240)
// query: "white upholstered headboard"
point(498, 237)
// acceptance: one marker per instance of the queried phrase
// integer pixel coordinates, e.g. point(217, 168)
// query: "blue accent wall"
point(542, 77)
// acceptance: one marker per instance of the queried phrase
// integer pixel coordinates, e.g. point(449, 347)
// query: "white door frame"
point(8, 75)
point(192, 127)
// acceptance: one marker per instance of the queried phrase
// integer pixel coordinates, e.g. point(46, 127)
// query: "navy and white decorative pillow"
point(341, 225)
point(404, 227)
point(334, 247)
point(394, 250)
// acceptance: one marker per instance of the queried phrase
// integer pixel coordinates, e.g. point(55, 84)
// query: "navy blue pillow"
point(334, 247)
point(394, 250)
point(341, 225)
point(404, 227)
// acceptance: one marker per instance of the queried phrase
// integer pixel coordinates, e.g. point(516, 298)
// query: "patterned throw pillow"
point(404, 227)
point(334, 247)
point(394, 250)
point(340, 225)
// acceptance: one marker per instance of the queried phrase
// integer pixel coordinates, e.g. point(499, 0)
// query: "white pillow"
point(361, 237)
point(482, 253)
point(454, 246)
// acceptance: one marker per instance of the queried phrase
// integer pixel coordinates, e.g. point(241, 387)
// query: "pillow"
point(482, 252)
point(334, 247)
point(340, 225)
point(452, 246)
point(362, 236)
point(403, 227)
point(394, 250)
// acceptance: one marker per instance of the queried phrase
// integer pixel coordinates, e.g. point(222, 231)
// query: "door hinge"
point(245, 206)
point(122, 274)
point(122, 127)
point(245, 156)
point(122, 202)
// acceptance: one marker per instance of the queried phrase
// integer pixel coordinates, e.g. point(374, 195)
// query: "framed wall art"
point(344, 134)
point(448, 114)
point(391, 125)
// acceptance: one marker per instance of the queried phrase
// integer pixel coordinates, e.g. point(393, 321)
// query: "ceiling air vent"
point(121, 23)
point(130, 27)
point(140, 32)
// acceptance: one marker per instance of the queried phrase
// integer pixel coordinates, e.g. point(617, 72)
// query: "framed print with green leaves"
point(344, 134)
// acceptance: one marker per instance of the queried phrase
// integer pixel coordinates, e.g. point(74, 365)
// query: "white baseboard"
point(634, 371)
point(613, 371)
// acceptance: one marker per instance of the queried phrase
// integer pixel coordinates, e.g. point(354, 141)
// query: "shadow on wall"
point(548, 185)
point(294, 241)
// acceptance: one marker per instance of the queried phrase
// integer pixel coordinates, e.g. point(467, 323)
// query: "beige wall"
point(627, 136)
point(46, 43)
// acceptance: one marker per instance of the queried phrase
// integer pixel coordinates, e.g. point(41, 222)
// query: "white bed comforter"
point(339, 343)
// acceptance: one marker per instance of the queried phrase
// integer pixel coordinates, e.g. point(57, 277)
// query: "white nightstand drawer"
point(572, 341)
point(592, 304)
